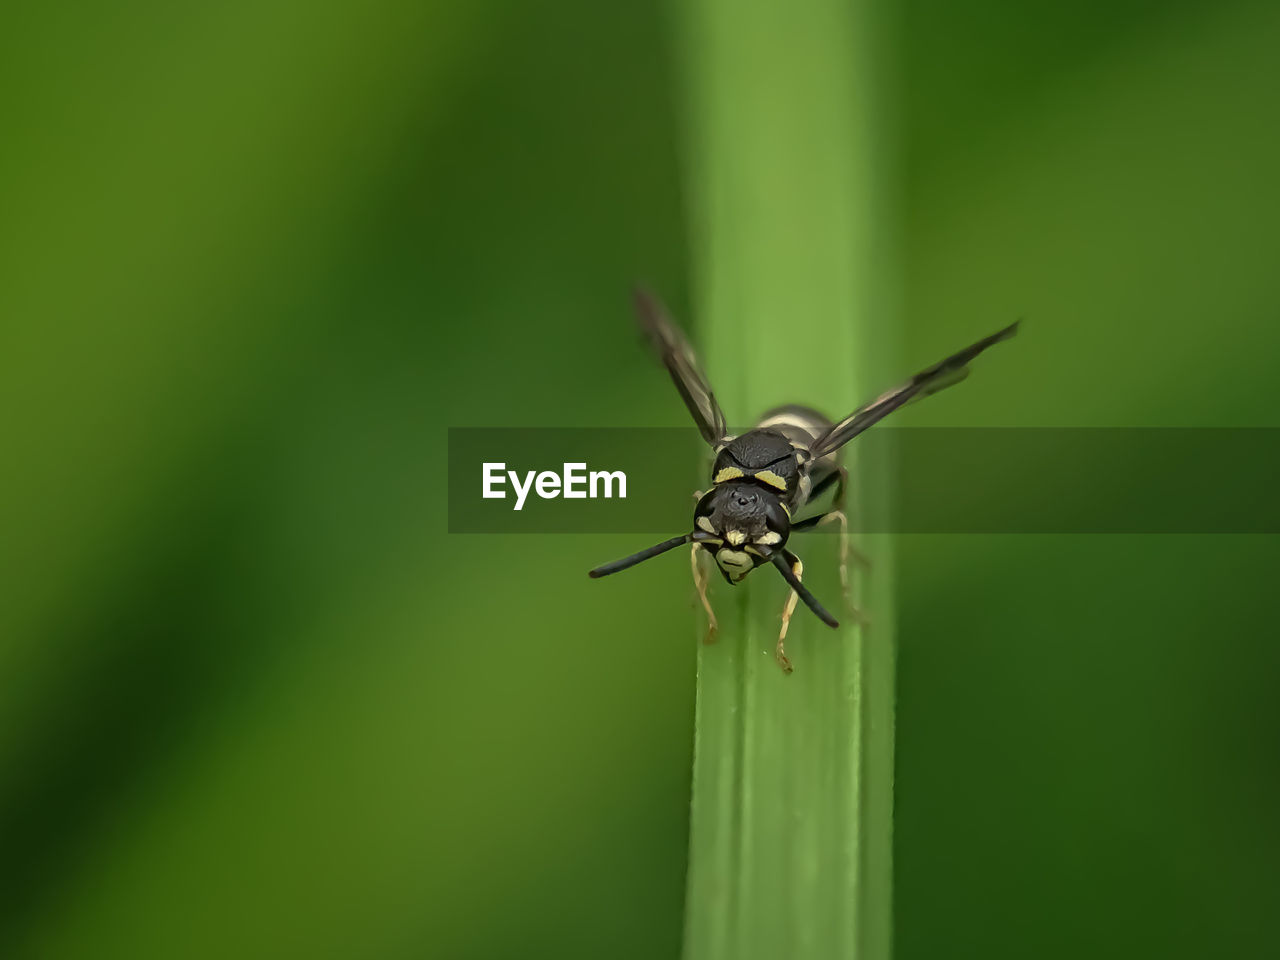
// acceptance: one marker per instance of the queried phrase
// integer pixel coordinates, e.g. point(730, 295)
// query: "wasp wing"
point(677, 356)
point(941, 375)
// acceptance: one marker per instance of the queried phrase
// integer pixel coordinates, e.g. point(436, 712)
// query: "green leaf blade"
point(791, 832)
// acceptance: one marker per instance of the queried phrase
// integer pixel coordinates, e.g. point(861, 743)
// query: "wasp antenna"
point(1010, 331)
point(784, 567)
point(607, 568)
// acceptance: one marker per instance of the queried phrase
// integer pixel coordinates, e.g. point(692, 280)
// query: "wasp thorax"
point(741, 524)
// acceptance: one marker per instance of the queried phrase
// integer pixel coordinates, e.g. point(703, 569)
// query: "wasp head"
point(741, 524)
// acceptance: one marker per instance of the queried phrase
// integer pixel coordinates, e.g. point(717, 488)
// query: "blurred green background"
point(256, 258)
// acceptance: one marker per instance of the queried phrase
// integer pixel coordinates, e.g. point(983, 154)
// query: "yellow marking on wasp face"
point(706, 524)
point(752, 550)
point(768, 539)
point(728, 473)
point(734, 562)
point(735, 536)
point(772, 479)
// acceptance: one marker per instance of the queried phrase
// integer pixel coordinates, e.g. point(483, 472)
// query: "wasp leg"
point(840, 478)
point(847, 549)
point(700, 581)
point(837, 515)
point(846, 586)
point(780, 653)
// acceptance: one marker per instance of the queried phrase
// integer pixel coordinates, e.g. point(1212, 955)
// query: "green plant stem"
point(791, 833)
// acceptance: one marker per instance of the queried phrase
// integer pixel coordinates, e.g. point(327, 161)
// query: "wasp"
point(762, 479)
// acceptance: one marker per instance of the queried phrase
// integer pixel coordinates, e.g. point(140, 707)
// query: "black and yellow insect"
point(763, 478)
